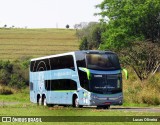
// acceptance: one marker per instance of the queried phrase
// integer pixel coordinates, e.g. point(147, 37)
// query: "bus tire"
point(39, 100)
point(80, 106)
point(103, 106)
point(44, 101)
point(106, 107)
point(75, 101)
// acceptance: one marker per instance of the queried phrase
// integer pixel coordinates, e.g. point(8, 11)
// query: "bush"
point(14, 74)
point(21, 67)
point(5, 90)
point(83, 44)
point(4, 77)
point(146, 92)
point(6, 65)
point(17, 81)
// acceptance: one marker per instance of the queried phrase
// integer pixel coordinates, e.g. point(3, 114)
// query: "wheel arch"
point(38, 96)
point(73, 98)
point(43, 96)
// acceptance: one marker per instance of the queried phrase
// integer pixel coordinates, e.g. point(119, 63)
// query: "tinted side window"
point(31, 86)
point(53, 63)
point(80, 59)
point(62, 62)
point(32, 64)
point(40, 65)
point(60, 84)
point(84, 82)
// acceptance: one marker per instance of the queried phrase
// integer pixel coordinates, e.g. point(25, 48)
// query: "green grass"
point(24, 107)
point(34, 110)
point(141, 93)
point(15, 43)
point(125, 104)
point(20, 96)
point(30, 109)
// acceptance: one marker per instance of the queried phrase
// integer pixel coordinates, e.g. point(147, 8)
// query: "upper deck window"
point(102, 61)
point(54, 63)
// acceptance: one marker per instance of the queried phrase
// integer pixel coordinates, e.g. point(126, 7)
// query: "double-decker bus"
point(80, 78)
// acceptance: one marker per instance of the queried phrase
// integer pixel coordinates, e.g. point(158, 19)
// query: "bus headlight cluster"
point(89, 94)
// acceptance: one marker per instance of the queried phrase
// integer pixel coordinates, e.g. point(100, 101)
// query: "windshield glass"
point(102, 61)
point(106, 84)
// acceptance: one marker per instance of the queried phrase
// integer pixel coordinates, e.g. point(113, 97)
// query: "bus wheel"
point(44, 101)
point(75, 101)
point(103, 106)
point(80, 106)
point(106, 107)
point(99, 107)
point(39, 101)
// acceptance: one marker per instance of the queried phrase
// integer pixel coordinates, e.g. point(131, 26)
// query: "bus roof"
point(70, 53)
point(97, 51)
point(50, 56)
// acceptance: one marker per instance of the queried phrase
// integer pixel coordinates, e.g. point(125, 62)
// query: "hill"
point(17, 43)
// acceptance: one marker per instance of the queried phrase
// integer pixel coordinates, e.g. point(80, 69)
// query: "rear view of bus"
point(100, 76)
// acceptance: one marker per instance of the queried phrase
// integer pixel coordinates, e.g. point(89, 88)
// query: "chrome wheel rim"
point(39, 101)
point(76, 102)
point(45, 102)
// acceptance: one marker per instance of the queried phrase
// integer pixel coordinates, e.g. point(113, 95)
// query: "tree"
point(143, 57)
point(132, 23)
point(90, 35)
point(130, 20)
point(5, 26)
point(67, 26)
point(81, 25)
point(76, 26)
point(84, 44)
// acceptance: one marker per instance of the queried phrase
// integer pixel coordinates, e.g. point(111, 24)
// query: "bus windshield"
point(102, 61)
point(106, 84)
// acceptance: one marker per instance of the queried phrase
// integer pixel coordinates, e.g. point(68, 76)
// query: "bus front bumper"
point(106, 100)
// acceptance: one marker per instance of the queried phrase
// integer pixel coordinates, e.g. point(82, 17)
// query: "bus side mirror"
point(87, 72)
point(125, 72)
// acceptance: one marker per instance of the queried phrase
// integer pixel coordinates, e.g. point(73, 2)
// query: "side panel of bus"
point(61, 96)
point(40, 80)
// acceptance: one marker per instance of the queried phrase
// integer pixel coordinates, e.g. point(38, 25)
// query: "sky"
point(47, 13)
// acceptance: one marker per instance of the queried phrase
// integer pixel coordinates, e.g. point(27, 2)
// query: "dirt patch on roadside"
point(137, 109)
point(2, 103)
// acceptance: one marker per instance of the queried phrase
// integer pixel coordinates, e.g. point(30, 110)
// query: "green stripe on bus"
point(88, 73)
